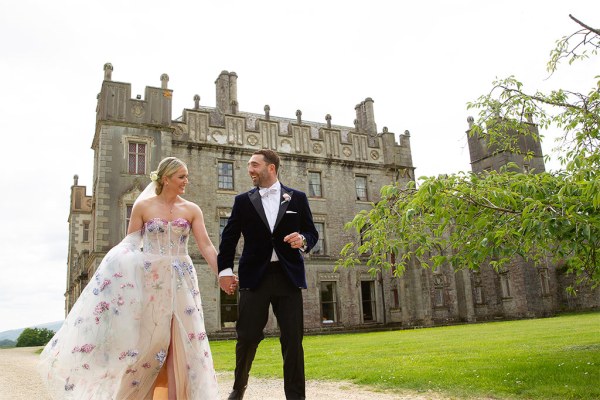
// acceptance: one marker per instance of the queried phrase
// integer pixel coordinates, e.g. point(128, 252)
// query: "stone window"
point(361, 187)
point(395, 298)
point(222, 223)
point(477, 288)
point(128, 209)
point(545, 281)
point(229, 309)
point(367, 292)
point(505, 284)
point(438, 290)
point(86, 231)
point(319, 248)
point(314, 184)
point(136, 160)
point(329, 310)
point(225, 175)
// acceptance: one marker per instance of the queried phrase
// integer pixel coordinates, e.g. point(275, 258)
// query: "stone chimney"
point(366, 117)
point(226, 86)
point(164, 81)
point(108, 69)
point(370, 126)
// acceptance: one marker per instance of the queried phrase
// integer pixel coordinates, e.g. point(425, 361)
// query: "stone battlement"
point(225, 125)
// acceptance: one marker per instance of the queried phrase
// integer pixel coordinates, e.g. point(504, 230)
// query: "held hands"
point(296, 240)
point(228, 284)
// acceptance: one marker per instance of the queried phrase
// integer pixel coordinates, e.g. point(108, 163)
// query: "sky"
point(421, 62)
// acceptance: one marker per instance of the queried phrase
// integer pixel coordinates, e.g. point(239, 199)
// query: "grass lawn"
point(549, 358)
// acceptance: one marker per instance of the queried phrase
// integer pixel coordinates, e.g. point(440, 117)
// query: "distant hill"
point(7, 343)
point(14, 333)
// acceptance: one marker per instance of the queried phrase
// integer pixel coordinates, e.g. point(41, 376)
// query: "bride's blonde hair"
point(167, 167)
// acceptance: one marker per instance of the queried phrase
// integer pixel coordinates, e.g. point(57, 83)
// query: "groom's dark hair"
point(270, 157)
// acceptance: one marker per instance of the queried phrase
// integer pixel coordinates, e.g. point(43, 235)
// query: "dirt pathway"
point(19, 381)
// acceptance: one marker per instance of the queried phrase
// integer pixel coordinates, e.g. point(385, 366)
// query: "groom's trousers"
point(276, 289)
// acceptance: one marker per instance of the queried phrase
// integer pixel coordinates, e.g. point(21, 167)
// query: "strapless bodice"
point(164, 237)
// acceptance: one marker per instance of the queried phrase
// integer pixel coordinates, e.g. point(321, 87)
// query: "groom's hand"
point(296, 241)
point(228, 284)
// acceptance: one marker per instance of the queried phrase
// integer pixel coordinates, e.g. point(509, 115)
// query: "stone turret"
point(115, 102)
point(486, 157)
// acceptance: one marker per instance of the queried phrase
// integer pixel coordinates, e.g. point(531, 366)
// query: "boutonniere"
point(286, 198)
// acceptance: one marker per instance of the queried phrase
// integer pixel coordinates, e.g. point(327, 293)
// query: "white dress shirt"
point(270, 200)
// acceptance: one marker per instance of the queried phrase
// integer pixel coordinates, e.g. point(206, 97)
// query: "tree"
point(34, 337)
point(467, 219)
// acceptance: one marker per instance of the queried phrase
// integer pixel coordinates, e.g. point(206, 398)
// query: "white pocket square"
point(291, 212)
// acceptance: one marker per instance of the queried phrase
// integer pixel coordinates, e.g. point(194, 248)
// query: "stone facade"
point(341, 168)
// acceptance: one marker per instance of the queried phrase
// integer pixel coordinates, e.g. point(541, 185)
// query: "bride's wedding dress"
point(139, 308)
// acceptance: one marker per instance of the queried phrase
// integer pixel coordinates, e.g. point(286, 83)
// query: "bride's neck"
point(167, 198)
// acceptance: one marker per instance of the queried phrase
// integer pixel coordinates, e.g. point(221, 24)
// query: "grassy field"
point(550, 358)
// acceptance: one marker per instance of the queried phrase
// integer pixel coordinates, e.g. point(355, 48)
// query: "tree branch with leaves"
point(466, 220)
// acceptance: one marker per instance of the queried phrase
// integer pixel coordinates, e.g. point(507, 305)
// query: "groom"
point(277, 226)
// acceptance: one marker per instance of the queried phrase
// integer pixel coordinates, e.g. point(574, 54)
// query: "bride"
point(137, 330)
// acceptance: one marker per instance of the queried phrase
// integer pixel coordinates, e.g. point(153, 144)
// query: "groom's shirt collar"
point(274, 189)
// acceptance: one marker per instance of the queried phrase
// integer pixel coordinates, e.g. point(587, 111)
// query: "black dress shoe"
point(237, 394)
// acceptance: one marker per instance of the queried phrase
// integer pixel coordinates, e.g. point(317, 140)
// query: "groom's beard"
point(261, 177)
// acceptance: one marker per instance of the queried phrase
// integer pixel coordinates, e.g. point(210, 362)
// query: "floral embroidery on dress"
point(69, 386)
point(105, 284)
point(86, 348)
point(128, 353)
point(161, 356)
point(120, 325)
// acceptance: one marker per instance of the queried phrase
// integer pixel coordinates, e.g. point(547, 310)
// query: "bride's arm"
point(205, 245)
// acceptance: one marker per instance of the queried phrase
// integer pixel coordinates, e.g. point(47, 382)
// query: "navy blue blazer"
point(248, 218)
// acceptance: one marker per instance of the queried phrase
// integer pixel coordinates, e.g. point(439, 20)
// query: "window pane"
point(225, 171)
point(319, 247)
point(361, 188)
point(136, 158)
point(131, 167)
point(314, 184)
point(141, 168)
point(328, 302)
point(367, 289)
point(326, 291)
point(86, 231)
point(222, 223)
point(128, 209)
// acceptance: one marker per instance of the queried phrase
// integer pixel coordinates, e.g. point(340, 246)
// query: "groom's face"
point(261, 173)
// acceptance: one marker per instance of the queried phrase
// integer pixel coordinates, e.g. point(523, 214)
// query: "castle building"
point(341, 169)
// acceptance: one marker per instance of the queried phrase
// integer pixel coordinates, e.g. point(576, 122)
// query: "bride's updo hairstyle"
point(167, 167)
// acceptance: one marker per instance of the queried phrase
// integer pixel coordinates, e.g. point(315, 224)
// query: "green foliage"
point(547, 358)
point(465, 220)
point(34, 337)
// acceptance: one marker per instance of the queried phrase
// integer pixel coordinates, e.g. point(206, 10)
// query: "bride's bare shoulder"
point(192, 208)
